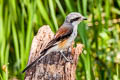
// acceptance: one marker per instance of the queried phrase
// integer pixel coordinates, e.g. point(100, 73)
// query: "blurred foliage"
point(20, 20)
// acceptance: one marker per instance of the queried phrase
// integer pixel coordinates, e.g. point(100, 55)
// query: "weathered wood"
point(53, 66)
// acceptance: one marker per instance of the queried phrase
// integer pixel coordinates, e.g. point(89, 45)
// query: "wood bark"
point(53, 66)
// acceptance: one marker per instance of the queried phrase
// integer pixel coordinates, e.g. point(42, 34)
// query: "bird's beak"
point(84, 18)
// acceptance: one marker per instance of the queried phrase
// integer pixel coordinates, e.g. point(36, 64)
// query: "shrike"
point(63, 38)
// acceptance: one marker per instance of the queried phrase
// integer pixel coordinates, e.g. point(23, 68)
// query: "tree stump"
point(53, 66)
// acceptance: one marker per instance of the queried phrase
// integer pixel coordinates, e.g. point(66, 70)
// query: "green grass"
point(20, 19)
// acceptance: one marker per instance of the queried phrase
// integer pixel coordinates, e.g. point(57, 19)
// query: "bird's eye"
point(75, 19)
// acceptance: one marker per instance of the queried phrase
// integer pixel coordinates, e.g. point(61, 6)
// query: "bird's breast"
point(66, 42)
point(63, 44)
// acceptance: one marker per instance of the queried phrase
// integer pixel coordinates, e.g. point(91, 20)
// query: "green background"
point(21, 19)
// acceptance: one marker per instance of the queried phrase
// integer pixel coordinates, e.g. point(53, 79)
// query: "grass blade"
point(60, 7)
point(44, 13)
point(16, 45)
point(69, 6)
point(53, 14)
point(78, 6)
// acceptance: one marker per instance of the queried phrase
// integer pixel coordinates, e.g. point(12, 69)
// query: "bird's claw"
point(71, 61)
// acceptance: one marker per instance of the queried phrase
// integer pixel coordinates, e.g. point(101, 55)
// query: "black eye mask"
point(75, 19)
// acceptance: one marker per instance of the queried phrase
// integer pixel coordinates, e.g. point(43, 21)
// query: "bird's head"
point(75, 18)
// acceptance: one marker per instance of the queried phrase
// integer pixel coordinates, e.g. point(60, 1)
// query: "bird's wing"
point(61, 34)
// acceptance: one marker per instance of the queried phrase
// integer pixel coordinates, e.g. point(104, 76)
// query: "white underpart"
point(72, 37)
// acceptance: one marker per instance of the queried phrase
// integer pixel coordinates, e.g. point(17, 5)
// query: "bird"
point(63, 38)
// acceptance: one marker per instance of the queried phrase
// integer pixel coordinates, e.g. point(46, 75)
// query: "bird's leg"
point(66, 57)
point(69, 49)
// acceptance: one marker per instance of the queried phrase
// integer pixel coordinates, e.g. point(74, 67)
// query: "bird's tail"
point(34, 62)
